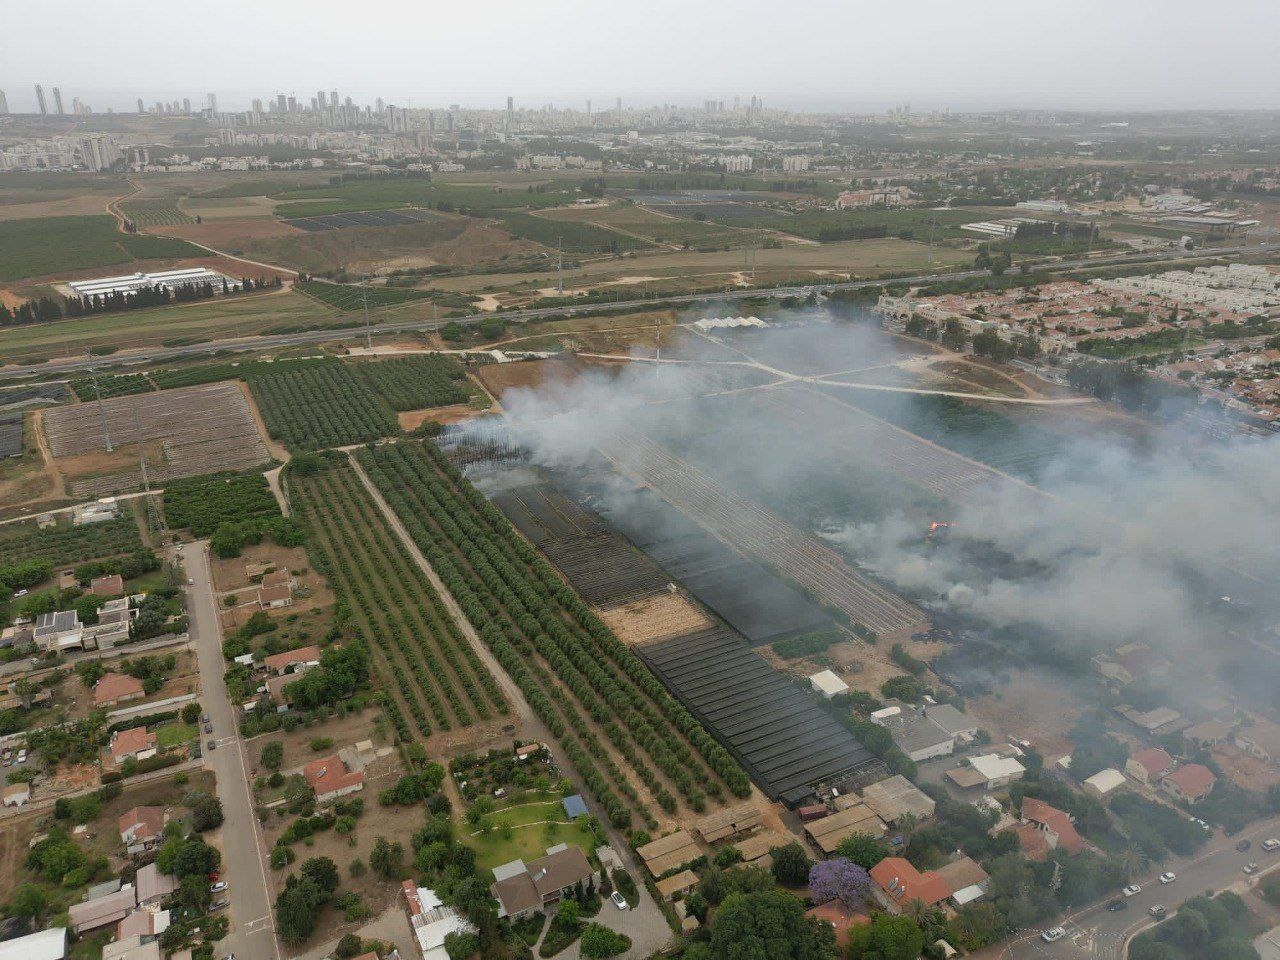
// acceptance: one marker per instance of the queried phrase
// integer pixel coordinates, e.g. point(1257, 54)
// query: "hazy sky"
point(822, 54)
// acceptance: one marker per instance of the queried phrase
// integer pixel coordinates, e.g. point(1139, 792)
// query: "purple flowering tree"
point(842, 880)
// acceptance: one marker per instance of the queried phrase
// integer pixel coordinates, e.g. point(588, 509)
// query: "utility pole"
point(102, 413)
point(368, 337)
point(559, 266)
point(142, 453)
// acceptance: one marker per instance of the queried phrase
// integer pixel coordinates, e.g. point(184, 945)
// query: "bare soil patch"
point(220, 233)
point(654, 618)
point(456, 413)
point(343, 731)
point(231, 574)
point(1245, 770)
point(1032, 707)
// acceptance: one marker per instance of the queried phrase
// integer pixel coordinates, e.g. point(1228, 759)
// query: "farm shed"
point(729, 822)
point(828, 832)
point(665, 853)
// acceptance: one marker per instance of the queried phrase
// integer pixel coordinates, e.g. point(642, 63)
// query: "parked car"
point(212, 744)
point(1157, 910)
point(204, 718)
point(1116, 905)
point(619, 900)
point(218, 887)
point(1271, 844)
point(1250, 869)
point(220, 904)
point(1243, 845)
point(1053, 935)
point(208, 728)
point(1168, 877)
point(1132, 890)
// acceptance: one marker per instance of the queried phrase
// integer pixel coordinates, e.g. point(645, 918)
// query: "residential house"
point(1044, 828)
point(272, 598)
point(131, 948)
point(522, 889)
point(278, 578)
point(1261, 739)
point(431, 920)
point(143, 923)
point(114, 618)
point(153, 886)
point(141, 827)
point(1191, 782)
point(841, 918)
point(918, 736)
point(996, 771)
point(1157, 722)
point(1148, 766)
point(98, 912)
point(116, 688)
point(897, 884)
point(112, 585)
point(1210, 733)
point(330, 778)
point(1104, 782)
point(965, 880)
point(960, 726)
point(296, 661)
point(48, 944)
point(574, 806)
point(828, 684)
point(137, 743)
point(59, 631)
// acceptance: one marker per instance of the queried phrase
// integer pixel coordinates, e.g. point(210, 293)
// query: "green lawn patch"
point(174, 734)
point(43, 246)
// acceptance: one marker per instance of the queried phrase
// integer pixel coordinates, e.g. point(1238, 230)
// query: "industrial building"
point(164, 279)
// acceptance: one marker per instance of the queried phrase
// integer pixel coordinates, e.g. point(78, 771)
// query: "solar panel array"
point(784, 740)
point(11, 434)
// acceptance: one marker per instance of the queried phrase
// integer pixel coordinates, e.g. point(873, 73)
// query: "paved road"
point(246, 344)
point(252, 934)
point(1095, 934)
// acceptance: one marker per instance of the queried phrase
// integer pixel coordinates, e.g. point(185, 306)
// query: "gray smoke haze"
point(1113, 545)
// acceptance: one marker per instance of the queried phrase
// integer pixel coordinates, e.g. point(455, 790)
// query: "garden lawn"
point(172, 734)
point(525, 843)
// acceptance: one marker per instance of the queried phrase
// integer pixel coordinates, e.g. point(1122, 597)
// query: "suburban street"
point(267, 342)
point(252, 935)
point(1101, 935)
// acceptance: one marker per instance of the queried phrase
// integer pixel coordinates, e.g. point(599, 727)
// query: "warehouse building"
point(164, 279)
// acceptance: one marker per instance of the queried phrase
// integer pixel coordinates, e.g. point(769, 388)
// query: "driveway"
point(252, 935)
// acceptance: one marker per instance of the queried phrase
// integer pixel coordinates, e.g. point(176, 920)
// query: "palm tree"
point(1134, 861)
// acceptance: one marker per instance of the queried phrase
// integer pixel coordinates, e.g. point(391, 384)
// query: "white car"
point(1053, 935)
point(619, 900)
point(1168, 877)
point(1271, 844)
point(1132, 890)
point(218, 887)
point(1157, 910)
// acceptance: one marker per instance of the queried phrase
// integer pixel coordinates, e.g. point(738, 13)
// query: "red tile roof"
point(131, 741)
point(115, 686)
point(1193, 780)
point(108, 586)
point(840, 917)
point(1040, 813)
point(329, 775)
point(903, 883)
point(1034, 843)
point(1154, 760)
point(149, 820)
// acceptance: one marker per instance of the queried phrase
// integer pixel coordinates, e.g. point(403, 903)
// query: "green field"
point(356, 195)
point(53, 245)
point(321, 405)
point(414, 383)
point(65, 543)
point(154, 213)
point(349, 297)
point(516, 833)
point(575, 237)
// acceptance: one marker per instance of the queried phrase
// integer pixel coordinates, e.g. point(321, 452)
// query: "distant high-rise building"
point(320, 99)
point(4, 103)
point(617, 105)
point(44, 109)
point(213, 103)
point(141, 108)
point(186, 105)
point(282, 103)
point(57, 102)
point(379, 105)
point(257, 106)
point(333, 98)
point(293, 104)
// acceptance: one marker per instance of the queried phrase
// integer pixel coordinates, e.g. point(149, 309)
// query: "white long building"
point(168, 279)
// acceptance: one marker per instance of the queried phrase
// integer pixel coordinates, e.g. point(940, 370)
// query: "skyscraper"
point(141, 108)
point(186, 105)
point(4, 103)
point(57, 101)
point(213, 103)
point(333, 98)
point(320, 100)
point(44, 109)
point(282, 103)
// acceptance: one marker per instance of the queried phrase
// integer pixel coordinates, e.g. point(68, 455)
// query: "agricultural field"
point(110, 385)
point(417, 382)
point(321, 405)
point(154, 213)
point(11, 432)
point(65, 543)
point(360, 195)
point(659, 227)
point(176, 325)
point(371, 218)
point(202, 504)
point(435, 679)
point(572, 237)
point(620, 728)
point(348, 297)
point(50, 246)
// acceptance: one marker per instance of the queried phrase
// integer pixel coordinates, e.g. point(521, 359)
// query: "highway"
point(1098, 934)
point(252, 935)
point(303, 338)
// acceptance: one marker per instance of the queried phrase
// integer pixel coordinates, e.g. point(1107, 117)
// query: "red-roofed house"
point(1148, 766)
point(331, 779)
point(898, 883)
point(136, 742)
point(1191, 782)
point(1054, 826)
point(141, 827)
point(113, 688)
point(301, 659)
point(840, 917)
